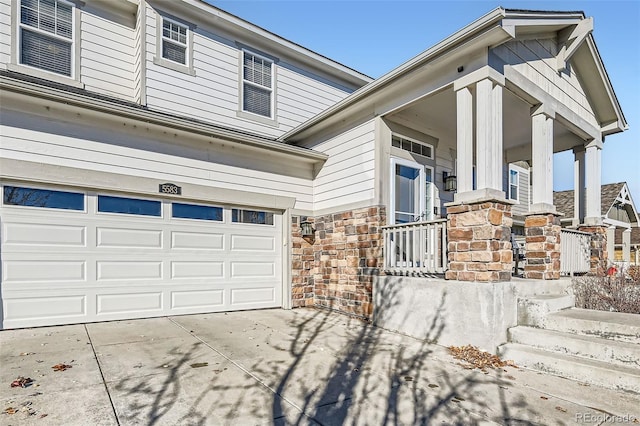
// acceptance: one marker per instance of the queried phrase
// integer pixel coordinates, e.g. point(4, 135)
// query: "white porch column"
point(542, 160)
point(578, 185)
point(489, 136)
point(593, 177)
point(626, 246)
point(611, 235)
point(464, 135)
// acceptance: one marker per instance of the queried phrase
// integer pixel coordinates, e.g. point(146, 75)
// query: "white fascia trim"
point(328, 64)
point(622, 124)
point(490, 18)
point(113, 108)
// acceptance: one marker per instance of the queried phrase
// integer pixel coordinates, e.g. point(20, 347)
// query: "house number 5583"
point(170, 188)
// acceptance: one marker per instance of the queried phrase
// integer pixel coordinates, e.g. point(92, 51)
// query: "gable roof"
point(494, 28)
point(564, 201)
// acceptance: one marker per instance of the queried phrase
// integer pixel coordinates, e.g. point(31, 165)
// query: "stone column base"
point(542, 246)
point(479, 237)
point(599, 256)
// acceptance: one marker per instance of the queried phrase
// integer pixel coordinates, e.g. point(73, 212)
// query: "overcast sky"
point(375, 37)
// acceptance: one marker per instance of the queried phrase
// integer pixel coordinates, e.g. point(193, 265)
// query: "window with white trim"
point(257, 85)
point(46, 35)
point(174, 41)
point(413, 146)
point(514, 183)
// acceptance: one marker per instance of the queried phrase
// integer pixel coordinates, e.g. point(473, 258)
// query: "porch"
point(420, 249)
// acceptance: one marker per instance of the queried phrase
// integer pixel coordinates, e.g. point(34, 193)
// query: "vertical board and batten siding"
point(5, 31)
point(536, 60)
point(138, 50)
point(107, 56)
point(101, 149)
point(213, 94)
point(348, 176)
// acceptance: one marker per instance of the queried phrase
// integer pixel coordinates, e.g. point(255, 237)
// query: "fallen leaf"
point(559, 408)
point(408, 378)
point(42, 416)
point(21, 382)
point(27, 353)
point(10, 410)
point(475, 358)
point(510, 377)
point(431, 385)
point(544, 397)
point(199, 364)
point(61, 367)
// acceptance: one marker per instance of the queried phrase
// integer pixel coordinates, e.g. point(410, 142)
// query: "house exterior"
point(627, 244)
point(164, 158)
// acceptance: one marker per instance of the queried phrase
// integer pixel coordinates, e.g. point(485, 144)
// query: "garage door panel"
point(197, 299)
point(253, 243)
point(197, 241)
point(253, 269)
point(29, 234)
point(129, 238)
point(189, 270)
point(253, 295)
point(44, 308)
point(36, 270)
point(129, 303)
point(129, 270)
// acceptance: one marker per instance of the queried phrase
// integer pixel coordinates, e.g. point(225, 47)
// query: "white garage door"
point(71, 256)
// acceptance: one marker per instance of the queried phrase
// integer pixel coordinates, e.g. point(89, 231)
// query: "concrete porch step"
point(608, 325)
point(533, 310)
point(596, 348)
point(585, 370)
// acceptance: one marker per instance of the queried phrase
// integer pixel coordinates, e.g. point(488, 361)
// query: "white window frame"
point(37, 185)
point(517, 184)
point(16, 64)
point(252, 115)
point(187, 67)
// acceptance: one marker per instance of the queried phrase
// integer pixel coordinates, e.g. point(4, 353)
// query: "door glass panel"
point(407, 193)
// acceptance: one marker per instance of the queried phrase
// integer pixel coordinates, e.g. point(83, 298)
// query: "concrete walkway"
point(273, 367)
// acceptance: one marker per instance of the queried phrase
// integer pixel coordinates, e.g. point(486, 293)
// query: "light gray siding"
point(524, 189)
point(5, 31)
point(108, 56)
point(535, 59)
point(143, 154)
point(348, 176)
point(213, 93)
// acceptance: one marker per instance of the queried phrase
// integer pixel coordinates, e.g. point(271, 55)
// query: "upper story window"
point(257, 84)
point(46, 35)
point(514, 182)
point(174, 41)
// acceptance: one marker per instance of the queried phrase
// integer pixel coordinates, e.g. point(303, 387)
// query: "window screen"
point(46, 35)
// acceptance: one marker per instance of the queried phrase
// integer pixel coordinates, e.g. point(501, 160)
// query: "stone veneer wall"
point(599, 255)
point(336, 269)
point(542, 246)
point(479, 246)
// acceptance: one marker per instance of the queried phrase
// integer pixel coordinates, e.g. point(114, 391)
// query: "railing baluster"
point(419, 247)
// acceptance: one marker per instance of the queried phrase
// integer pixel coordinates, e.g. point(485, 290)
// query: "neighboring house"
point(627, 243)
point(164, 158)
point(619, 214)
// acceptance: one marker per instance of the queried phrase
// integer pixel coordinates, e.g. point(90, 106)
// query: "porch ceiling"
point(436, 115)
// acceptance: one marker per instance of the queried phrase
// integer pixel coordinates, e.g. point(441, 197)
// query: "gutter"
point(141, 113)
point(441, 47)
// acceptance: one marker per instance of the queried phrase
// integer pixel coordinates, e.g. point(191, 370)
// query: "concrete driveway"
point(273, 367)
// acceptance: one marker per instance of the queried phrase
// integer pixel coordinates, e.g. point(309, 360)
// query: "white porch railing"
point(575, 252)
point(416, 248)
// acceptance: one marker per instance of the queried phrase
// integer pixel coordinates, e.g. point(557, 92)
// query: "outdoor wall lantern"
point(307, 228)
point(450, 182)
